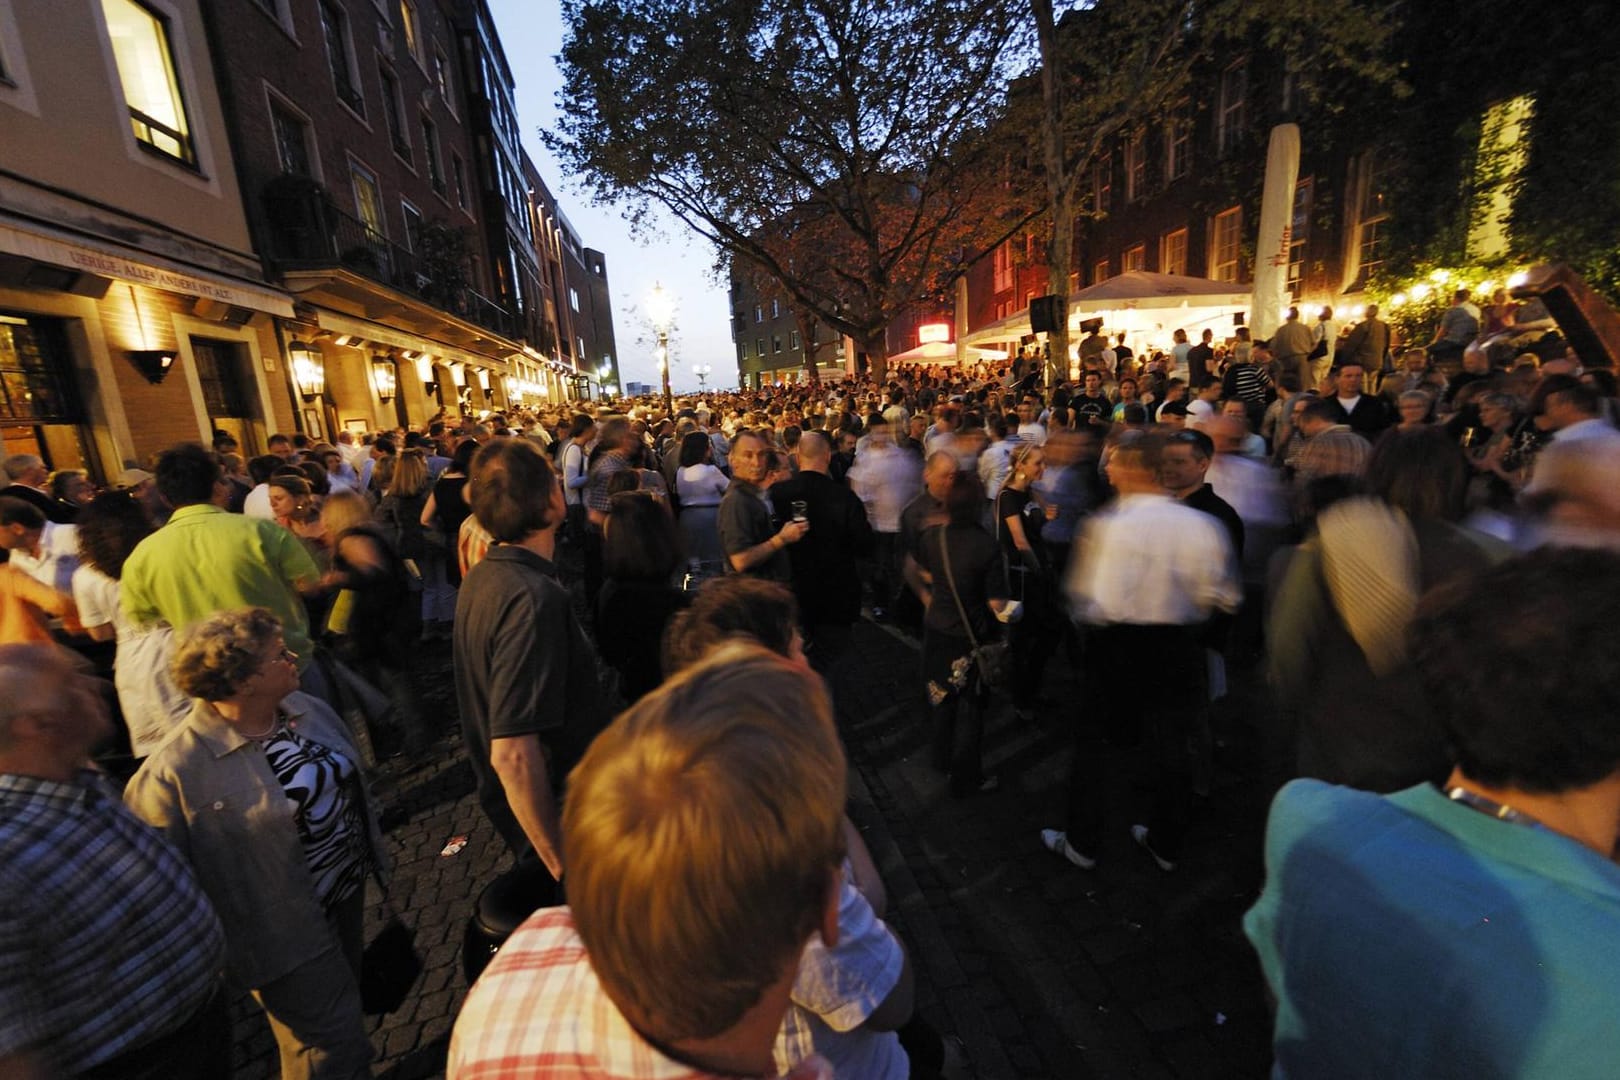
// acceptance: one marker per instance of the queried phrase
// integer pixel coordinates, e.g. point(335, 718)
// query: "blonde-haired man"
point(704, 832)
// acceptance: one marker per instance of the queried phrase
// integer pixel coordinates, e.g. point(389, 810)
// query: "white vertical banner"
point(1276, 222)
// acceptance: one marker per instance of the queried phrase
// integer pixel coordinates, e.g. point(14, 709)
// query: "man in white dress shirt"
point(1148, 574)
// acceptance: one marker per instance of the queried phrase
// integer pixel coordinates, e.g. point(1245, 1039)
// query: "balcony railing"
point(308, 232)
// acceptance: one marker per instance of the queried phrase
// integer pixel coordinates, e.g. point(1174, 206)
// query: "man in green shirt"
point(206, 560)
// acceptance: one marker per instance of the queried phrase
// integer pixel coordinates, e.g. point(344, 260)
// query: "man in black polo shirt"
point(525, 673)
point(748, 535)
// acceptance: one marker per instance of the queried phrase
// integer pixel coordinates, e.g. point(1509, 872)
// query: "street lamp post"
point(661, 308)
point(702, 373)
point(602, 377)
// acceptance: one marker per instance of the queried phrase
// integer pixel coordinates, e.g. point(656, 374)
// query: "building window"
point(1374, 246)
point(458, 177)
point(1102, 185)
point(1003, 267)
point(1135, 258)
point(413, 226)
point(35, 362)
point(776, 343)
point(1225, 245)
point(1136, 167)
point(793, 340)
point(573, 298)
point(1099, 272)
point(340, 56)
point(1173, 252)
point(412, 30)
point(430, 152)
point(367, 199)
point(157, 112)
point(759, 313)
point(1230, 116)
point(441, 79)
point(742, 351)
point(1299, 232)
point(220, 371)
point(759, 344)
point(1177, 148)
point(776, 308)
point(292, 140)
point(394, 112)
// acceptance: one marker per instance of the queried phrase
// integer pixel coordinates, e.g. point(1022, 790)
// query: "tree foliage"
point(1108, 67)
point(846, 148)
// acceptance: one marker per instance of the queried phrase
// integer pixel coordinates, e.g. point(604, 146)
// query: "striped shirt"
point(106, 941)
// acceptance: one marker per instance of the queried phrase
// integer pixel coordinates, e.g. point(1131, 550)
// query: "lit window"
point(1099, 272)
point(1226, 237)
point(573, 298)
point(1135, 258)
point(1173, 252)
point(408, 26)
point(140, 41)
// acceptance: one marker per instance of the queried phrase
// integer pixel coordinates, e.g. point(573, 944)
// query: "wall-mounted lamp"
point(458, 375)
point(154, 364)
point(483, 379)
point(385, 379)
point(308, 369)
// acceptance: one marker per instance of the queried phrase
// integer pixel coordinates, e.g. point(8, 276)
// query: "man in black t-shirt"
point(1092, 407)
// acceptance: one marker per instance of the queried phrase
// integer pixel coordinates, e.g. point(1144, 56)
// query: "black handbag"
point(992, 661)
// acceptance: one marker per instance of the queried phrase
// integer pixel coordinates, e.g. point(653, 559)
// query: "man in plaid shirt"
point(704, 838)
point(110, 954)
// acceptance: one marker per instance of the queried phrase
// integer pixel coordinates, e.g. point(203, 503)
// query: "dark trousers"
point(593, 565)
point(957, 720)
point(1143, 727)
point(884, 577)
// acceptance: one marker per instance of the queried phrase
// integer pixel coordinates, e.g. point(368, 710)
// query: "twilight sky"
point(531, 33)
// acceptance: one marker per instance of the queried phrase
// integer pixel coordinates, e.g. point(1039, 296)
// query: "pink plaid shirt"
point(539, 1013)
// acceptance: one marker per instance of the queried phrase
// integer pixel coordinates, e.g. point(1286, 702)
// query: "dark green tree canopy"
point(847, 148)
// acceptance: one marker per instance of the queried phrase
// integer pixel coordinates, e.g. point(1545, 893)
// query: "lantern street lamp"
point(308, 369)
point(603, 375)
point(702, 373)
point(661, 309)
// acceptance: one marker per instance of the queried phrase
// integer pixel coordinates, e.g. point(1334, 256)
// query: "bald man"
point(825, 578)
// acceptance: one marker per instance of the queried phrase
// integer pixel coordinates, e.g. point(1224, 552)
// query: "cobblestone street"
point(1041, 969)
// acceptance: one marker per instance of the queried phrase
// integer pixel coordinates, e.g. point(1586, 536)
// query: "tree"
point(846, 148)
point(1109, 67)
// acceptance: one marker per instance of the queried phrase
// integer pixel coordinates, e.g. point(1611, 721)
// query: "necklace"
point(275, 725)
point(1500, 811)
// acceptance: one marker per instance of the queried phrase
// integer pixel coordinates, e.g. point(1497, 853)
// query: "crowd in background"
point(1322, 506)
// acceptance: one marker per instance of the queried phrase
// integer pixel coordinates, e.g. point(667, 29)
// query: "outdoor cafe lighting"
point(308, 369)
point(385, 379)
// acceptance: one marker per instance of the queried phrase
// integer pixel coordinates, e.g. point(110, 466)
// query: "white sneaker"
point(1057, 842)
point(1139, 833)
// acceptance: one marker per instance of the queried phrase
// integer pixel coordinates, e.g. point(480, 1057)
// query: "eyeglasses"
point(285, 655)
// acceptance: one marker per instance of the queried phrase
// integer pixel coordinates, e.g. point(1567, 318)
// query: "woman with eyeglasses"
point(261, 791)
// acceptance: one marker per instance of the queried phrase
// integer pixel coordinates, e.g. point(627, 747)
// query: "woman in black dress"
point(1018, 521)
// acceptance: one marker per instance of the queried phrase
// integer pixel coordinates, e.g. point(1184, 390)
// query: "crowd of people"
point(1413, 546)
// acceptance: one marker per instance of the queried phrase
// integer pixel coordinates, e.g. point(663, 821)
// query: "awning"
point(106, 259)
point(352, 326)
point(942, 352)
point(1136, 290)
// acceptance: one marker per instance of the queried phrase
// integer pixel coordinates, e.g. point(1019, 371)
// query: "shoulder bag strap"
point(950, 580)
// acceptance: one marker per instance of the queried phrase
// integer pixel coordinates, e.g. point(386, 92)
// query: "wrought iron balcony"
point(309, 232)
